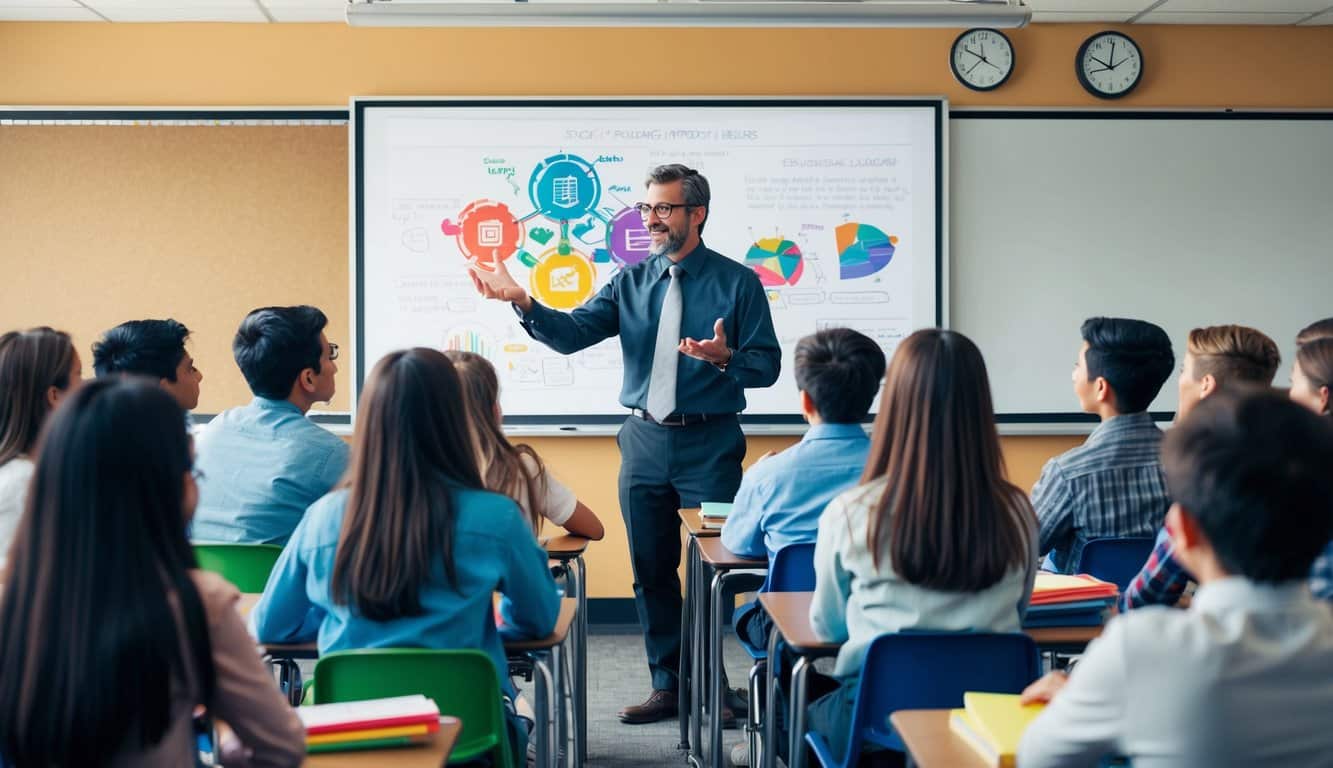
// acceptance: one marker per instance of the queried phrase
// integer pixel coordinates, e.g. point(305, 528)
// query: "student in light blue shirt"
point(409, 552)
point(262, 464)
point(838, 371)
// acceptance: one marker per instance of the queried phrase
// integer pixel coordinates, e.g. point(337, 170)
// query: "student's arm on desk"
point(1053, 500)
point(284, 613)
point(828, 608)
point(533, 603)
point(584, 522)
point(743, 532)
point(244, 695)
point(1085, 718)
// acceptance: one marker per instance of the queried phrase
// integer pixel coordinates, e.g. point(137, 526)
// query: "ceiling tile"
point(1167, 17)
point(47, 13)
point(39, 4)
point(1251, 6)
point(308, 14)
point(1074, 17)
point(1090, 6)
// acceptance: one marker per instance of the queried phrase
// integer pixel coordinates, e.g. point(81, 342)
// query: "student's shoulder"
point(489, 514)
point(217, 595)
point(855, 503)
point(14, 474)
point(322, 523)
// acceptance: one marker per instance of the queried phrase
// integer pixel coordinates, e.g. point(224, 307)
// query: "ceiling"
point(1279, 12)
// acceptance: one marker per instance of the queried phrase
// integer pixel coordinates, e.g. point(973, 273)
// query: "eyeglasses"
point(333, 351)
point(663, 210)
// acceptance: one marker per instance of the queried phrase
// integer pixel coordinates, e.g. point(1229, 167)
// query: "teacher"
point(695, 332)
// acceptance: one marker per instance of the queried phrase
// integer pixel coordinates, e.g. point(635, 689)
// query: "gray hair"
point(692, 182)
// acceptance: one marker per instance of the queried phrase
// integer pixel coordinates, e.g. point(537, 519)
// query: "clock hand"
point(1103, 69)
point(974, 53)
point(1112, 56)
point(992, 66)
point(1099, 61)
point(974, 66)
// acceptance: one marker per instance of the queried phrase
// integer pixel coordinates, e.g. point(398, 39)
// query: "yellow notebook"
point(369, 733)
point(993, 724)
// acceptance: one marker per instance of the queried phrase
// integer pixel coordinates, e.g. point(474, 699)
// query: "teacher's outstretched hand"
point(499, 284)
point(712, 350)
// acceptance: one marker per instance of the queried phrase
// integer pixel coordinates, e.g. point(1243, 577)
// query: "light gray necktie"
point(662, 383)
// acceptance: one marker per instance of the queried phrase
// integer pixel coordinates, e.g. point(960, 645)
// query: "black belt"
point(683, 419)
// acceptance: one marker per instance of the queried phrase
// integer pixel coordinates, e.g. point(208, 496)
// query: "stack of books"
point(372, 724)
point(713, 514)
point(1069, 601)
point(992, 724)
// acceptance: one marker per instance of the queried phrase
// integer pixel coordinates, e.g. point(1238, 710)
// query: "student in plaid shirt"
point(1217, 356)
point(1112, 485)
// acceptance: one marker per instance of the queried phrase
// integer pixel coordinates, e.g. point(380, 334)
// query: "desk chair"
point(927, 670)
point(247, 566)
point(1115, 560)
point(462, 683)
point(792, 570)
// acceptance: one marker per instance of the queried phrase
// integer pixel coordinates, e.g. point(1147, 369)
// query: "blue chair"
point(1115, 560)
point(792, 570)
point(928, 670)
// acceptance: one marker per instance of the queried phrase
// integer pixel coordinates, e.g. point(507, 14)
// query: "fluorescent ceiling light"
point(690, 13)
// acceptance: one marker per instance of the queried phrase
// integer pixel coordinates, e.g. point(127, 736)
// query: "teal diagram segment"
point(565, 187)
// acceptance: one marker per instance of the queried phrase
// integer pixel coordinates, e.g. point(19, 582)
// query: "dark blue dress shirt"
point(712, 287)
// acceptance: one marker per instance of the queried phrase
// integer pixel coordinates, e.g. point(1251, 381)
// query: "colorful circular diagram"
point(627, 237)
point(863, 250)
point(562, 280)
point(565, 187)
point(488, 230)
point(776, 261)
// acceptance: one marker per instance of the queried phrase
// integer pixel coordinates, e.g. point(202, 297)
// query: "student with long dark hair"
point(38, 368)
point(935, 537)
point(516, 470)
point(109, 636)
point(410, 549)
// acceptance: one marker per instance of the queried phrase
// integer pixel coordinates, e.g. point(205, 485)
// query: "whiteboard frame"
point(609, 423)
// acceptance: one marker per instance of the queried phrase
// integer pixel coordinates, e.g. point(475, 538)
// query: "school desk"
point(930, 743)
point(567, 552)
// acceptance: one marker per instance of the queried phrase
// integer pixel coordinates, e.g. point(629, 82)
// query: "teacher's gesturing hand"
point(712, 350)
point(499, 284)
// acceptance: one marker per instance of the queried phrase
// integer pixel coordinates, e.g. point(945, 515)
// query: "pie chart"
point(776, 261)
point(863, 250)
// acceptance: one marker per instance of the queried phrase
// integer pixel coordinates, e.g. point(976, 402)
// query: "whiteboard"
point(836, 204)
point(1182, 219)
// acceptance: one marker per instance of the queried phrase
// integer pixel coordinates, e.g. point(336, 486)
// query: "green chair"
point(462, 683)
point(245, 565)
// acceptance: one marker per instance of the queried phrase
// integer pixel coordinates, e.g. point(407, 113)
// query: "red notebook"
point(1059, 588)
point(372, 713)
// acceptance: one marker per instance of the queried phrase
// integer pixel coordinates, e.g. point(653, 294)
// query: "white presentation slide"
point(836, 206)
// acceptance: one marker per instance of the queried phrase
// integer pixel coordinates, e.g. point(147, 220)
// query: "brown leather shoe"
point(659, 706)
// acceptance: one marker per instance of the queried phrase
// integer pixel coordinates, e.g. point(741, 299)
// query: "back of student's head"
point(1253, 468)
point(1319, 329)
point(274, 344)
point(1133, 356)
point(840, 369)
point(146, 347)
point(91, 642)
point(413, 447)
point(31, 362)
point(499, 461)
point(951, 519)
point(1233, 353)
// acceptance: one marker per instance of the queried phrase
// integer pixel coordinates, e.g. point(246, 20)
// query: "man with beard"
point(695, 332)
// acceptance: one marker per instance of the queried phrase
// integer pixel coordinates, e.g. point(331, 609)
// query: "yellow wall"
point(325, 64)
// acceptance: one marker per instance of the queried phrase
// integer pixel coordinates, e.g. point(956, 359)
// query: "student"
point(516, 470)
point(838, 372)
point(111, 635)
point(935, 537)
point(38, 368)
point(1311, 379)
point(1216, 356)
point(265, 462)
point(1112, 485)
point(411, 547)
point(153, 348)
point(1242, 676)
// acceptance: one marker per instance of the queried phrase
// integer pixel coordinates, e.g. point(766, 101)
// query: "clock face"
point(982, 59)
point(1109, 65)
